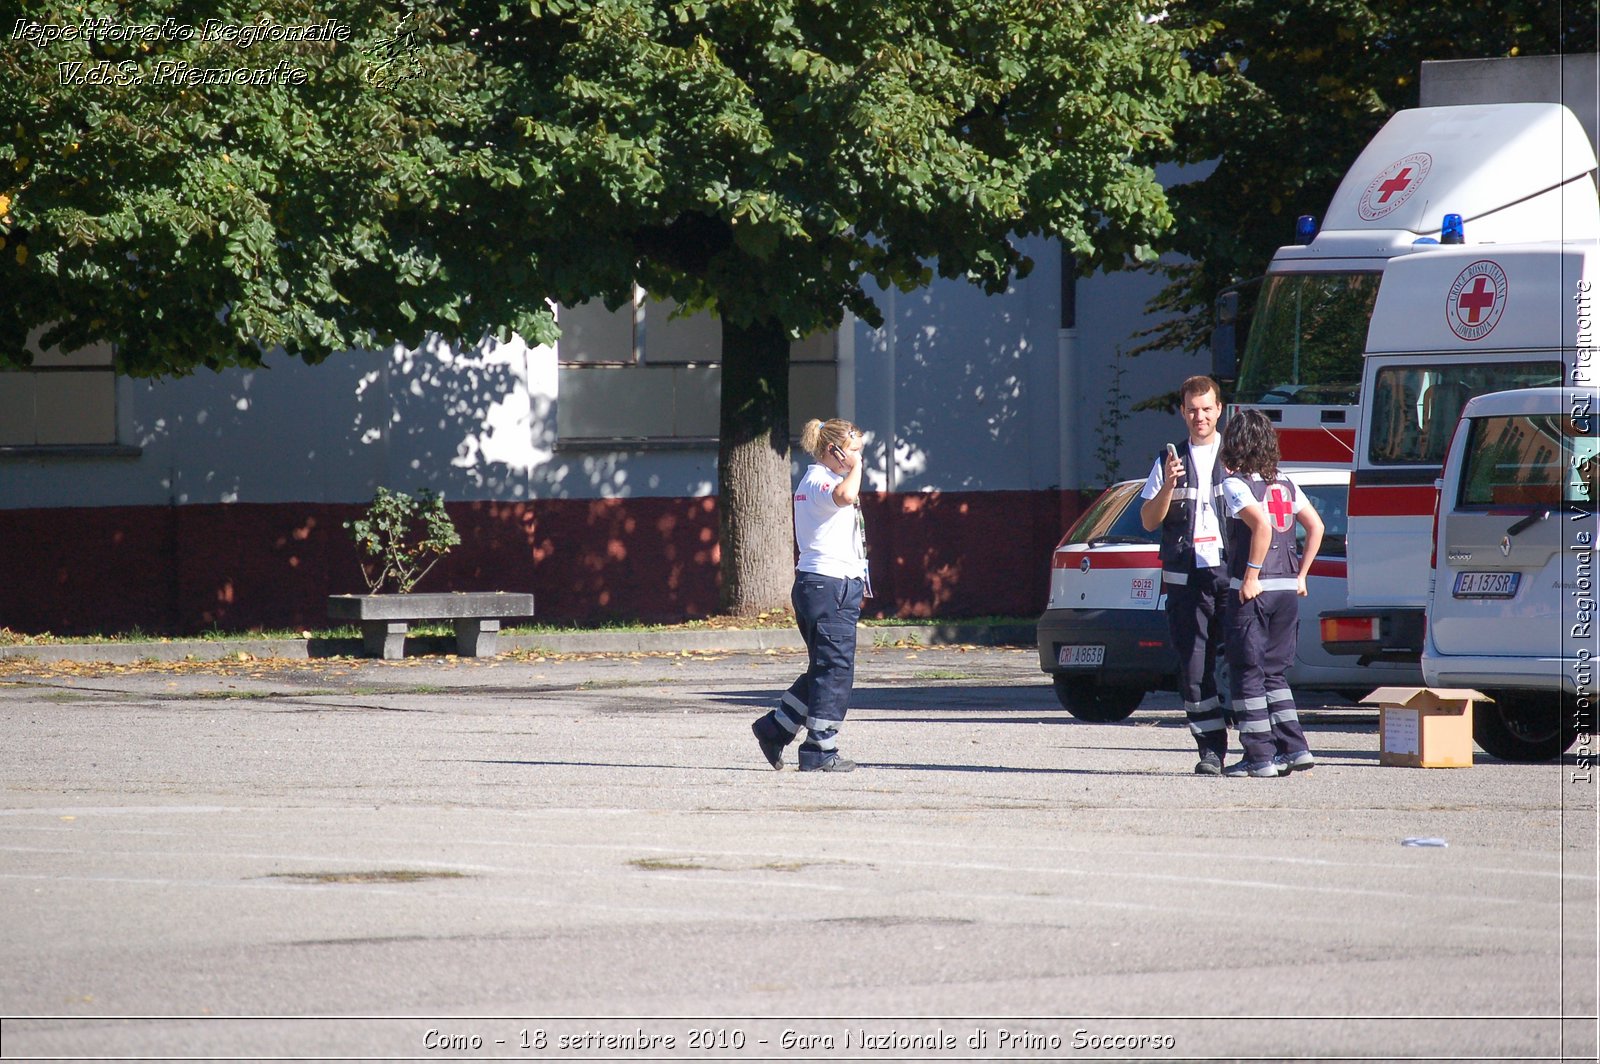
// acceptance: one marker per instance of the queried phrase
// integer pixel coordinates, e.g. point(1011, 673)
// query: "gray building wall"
point(974, 393)
point(1573, 80)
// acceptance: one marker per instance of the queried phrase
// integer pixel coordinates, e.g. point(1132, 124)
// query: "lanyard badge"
point(861, 551)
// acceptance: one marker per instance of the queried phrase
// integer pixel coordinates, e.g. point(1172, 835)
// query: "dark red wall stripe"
point(183, 569)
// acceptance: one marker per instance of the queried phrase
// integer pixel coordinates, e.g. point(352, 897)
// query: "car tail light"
point(1349, 629)
point(1151, 644)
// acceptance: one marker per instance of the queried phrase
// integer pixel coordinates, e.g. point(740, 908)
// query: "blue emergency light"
point(1305, 229)
point(1452, 231)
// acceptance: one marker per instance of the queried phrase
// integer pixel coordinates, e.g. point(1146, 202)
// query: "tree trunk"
point(755, 513)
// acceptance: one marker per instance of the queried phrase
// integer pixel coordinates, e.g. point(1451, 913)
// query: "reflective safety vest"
point(1280, 569)
point(1177, 528)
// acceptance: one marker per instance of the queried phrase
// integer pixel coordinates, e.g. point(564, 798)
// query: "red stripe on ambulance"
point(1316, 445)
point(1391, 500)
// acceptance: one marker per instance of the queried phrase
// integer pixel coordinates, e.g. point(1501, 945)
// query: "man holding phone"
point(1182, 497)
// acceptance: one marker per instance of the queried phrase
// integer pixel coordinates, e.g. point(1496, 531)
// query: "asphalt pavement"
point(583, 856)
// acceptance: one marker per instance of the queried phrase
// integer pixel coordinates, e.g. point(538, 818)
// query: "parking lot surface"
point(585, 857)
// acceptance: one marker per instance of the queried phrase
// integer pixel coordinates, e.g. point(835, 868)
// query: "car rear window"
point(1114, 518)
point(1331, 502)
point(1528, 461)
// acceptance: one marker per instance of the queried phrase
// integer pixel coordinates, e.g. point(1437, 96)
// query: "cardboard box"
point(1425, 727)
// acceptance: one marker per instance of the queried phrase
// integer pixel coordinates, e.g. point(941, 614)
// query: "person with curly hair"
point(830, 582)
point(1267, 577)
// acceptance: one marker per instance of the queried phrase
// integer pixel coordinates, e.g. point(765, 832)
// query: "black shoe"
point(1210, 764)
point(771, 749)
point(833, 763)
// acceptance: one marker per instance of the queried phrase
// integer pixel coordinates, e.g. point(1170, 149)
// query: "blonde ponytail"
point(811, 437)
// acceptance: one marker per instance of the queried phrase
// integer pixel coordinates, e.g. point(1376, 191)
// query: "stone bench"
point(384, 619)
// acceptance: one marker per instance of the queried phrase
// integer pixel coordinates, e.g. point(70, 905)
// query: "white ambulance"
point(1511, 604)
point(1508, 172)
point(1450, 323)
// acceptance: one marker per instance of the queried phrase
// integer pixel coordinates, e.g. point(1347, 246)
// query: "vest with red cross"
point(1279, 498)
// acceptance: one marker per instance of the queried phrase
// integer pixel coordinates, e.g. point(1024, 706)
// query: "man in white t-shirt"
point(1182, 497)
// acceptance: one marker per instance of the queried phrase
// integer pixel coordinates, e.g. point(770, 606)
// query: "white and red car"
point(1103, 635)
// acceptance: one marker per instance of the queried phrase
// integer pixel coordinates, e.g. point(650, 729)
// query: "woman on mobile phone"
point(830, 581)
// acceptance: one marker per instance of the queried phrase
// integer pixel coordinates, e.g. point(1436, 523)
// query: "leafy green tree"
point(179, 181)
point(1305, 85)
point(452, 170)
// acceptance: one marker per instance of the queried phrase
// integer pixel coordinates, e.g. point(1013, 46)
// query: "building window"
point(638, 373)
point(63, 400)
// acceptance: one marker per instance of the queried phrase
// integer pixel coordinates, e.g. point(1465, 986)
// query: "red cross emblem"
point(1396, 183)
point(1280, 506)
point(1477, 299)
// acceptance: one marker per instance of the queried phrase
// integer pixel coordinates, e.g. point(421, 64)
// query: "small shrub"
point(404, 536)
point(1108, 433)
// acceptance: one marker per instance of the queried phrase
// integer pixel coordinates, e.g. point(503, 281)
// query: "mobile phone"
point(1172, 450)
point(837, 453)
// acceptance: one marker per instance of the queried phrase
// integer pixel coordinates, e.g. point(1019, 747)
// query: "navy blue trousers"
point(826, 608)
point(1262, 634)
point(1195, 620)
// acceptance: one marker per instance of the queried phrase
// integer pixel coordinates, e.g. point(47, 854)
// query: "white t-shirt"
point(1207, 526)
point(831, 539)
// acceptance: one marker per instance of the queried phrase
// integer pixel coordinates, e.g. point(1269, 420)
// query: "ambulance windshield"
point(1307, 338)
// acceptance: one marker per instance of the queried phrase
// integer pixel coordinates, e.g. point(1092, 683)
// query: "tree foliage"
point(154, 201)
point(449, 170)
point(770, 158)
point(1305, 85)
